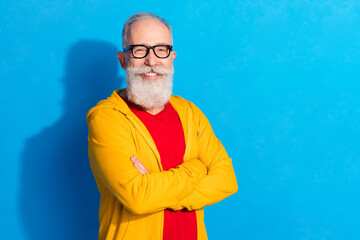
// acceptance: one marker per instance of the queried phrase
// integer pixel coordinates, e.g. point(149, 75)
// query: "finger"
point(138, 165)
point(142, 169)
point(134, 159)
point(139, 168)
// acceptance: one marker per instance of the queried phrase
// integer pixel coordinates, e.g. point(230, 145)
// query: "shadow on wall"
point(59, 198)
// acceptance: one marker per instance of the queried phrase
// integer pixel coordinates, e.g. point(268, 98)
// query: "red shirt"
point(166, 130)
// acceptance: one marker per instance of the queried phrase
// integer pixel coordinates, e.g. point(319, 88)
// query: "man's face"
point(149, 79)
point(149, 32)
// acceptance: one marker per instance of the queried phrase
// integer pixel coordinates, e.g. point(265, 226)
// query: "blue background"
point(278, 80)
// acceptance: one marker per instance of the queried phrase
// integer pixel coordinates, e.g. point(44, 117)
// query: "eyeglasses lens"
point(162, 51)
point(139, 51)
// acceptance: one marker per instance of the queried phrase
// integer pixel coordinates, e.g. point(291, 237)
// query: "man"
point(154, 156)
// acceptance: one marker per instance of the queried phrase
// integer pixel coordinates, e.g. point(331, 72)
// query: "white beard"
point(149, 93)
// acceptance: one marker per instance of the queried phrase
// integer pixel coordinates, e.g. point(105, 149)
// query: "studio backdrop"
point(278, 80)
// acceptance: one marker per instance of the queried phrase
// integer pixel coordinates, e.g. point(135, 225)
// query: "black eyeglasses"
point(141, 51)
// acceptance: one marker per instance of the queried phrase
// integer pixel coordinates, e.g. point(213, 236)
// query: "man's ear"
point(121, 57)
point(174, 55)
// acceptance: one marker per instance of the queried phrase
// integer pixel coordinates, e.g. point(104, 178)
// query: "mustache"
point(156, 69)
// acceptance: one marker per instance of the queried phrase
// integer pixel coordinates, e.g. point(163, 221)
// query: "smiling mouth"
point(151, 74)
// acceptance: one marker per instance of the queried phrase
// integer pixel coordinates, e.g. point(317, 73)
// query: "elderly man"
point(154, 156)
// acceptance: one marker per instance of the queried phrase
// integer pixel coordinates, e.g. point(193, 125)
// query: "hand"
point(138, 165)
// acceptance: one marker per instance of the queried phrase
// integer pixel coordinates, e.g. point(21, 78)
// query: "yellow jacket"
point(131, 204)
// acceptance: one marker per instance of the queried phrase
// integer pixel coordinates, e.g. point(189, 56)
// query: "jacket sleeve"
point(221, 180)
point(111, 145)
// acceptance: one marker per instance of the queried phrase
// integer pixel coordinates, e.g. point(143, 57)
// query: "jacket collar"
point(180, 105)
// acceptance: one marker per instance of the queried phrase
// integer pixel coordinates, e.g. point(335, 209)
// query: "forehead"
point(149, 32)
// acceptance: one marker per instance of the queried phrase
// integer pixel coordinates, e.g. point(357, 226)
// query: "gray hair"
point(136, 17)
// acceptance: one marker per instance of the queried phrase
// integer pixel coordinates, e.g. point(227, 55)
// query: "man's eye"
point(139, 50)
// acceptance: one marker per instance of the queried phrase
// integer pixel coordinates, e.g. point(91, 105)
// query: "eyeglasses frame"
point(130, 47)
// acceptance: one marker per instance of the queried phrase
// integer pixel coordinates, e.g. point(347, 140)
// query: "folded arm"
point(110, 148)
point(220, 181)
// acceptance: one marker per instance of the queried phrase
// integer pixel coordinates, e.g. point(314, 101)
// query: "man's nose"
point(151, 59)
